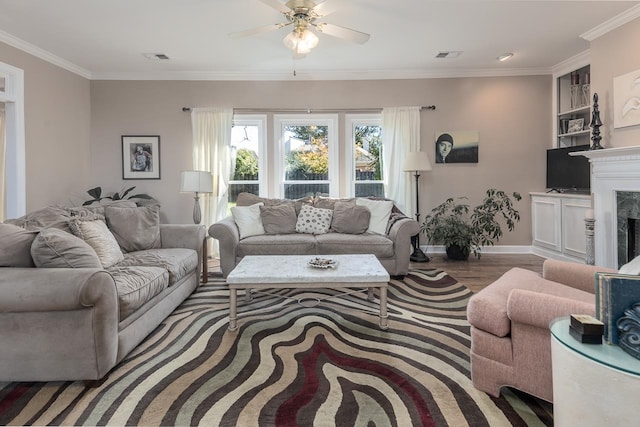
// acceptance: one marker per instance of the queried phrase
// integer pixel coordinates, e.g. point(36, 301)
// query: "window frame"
point(259, 120)
point(351, 121)
point(329, 120)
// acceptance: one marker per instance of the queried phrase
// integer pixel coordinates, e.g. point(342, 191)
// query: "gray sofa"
point(392, 248)
point(63, 316)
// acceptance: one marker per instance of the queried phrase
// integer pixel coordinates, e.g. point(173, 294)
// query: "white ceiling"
point(106, 39)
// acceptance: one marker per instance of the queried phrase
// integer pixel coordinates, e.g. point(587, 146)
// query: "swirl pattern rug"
point(291, 365)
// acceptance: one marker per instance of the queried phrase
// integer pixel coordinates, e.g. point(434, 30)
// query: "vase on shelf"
point(585, 95)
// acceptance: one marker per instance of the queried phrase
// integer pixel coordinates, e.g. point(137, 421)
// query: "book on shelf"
point(615, 293)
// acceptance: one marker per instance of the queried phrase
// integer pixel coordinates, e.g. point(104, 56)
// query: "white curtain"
point(400, 135)
point(3, 166)
point(211, 152)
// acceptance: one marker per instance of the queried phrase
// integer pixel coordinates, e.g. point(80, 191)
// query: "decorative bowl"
point(322, 263)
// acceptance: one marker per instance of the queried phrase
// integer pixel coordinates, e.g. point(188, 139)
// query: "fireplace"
point(628, 224)
point(615, 185)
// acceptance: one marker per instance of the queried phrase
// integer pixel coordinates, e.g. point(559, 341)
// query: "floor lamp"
point(196, 182)
point(417, 162)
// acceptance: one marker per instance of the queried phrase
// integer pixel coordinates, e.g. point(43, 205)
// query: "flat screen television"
point(568, 173)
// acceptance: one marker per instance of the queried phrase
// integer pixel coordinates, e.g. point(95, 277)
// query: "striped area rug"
point(291, 365)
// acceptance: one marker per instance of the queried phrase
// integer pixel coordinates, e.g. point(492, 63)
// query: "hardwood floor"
point(474, 273)
point(478, 273)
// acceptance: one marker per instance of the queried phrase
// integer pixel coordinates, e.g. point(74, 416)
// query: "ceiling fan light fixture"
point(300, 41)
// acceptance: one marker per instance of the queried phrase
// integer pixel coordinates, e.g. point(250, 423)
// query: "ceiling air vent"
point(156, 56)
point(448, 54)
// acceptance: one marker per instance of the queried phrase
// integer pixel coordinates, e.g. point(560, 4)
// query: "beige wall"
point(512, 115)
point(57, 129)
point(612, 55)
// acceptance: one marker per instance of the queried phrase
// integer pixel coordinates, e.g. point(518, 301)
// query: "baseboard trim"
point(499, 249)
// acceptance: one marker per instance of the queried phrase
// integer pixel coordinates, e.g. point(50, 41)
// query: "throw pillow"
point(329, 202)
point(380, 211)
point(98, 236)
point(248, 199)
point(54, 248)
point(15, 246)
point(313, 220)
point(278, 219)
point(632, 267)
point(248, 220)
point(349, 218)
point(136, 228)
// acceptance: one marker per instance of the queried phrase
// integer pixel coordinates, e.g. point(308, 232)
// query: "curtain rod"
point(307, 110)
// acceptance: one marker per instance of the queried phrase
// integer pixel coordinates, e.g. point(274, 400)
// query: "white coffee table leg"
point(233, 309)
point(370, 294)
point(383, 308)
point(247, 295)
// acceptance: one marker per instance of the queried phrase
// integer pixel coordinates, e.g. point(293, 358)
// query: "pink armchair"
point(510, 341)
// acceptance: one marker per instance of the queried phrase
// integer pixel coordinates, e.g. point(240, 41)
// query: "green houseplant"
point(96, 193)
point(463, 230)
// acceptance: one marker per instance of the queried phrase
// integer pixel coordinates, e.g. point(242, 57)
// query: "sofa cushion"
point(487, 310)
point(51, 216)
point(248, 220)
point(98, 236)
point(278, 219)
point(330, 202)
point(368, 243)
point(350, 218)
point(248, 199)
point(277, 244)
point(179, 262)
point(314, 220)
point(54, 248)
point(380, 212)
point(15, 246)
point(137, 285)
point(135, 228)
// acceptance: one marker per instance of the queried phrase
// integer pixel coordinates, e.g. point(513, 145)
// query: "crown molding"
point(43, 54)
point(613, 23)
point(571, 64)
point(325, 75)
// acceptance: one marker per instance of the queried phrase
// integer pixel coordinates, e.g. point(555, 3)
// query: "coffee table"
point(256, 272)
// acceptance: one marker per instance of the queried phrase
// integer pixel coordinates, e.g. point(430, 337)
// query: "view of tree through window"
point(368, 160)
point(306, 150)
point(245, 150)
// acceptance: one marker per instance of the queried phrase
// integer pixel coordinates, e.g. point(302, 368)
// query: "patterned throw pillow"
point(314, 220)
point(98, 236)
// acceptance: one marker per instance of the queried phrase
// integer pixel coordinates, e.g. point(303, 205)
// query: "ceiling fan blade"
point(255, 31)
point(325, 8)
point(277, 5)
point(342, 32)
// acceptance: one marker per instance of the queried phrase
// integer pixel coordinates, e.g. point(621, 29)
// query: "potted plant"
point(96, 193)
point(463, 230)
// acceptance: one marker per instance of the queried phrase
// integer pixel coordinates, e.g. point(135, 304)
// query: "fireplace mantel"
point(612, 170)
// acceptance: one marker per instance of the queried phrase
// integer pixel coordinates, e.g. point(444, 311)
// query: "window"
point(364, 155)
point(307, 155)
point(248, 157)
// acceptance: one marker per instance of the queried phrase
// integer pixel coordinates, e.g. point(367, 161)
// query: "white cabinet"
point(558, 227)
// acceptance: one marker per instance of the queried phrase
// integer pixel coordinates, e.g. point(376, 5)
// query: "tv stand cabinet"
point(557, 225)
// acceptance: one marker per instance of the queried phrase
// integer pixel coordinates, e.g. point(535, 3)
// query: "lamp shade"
point(196, 182)
point(417, 161)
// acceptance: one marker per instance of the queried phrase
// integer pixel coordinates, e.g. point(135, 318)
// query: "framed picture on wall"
point(140, 157)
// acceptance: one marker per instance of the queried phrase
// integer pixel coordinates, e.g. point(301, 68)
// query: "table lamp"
point(196, 182)
point(416, 162)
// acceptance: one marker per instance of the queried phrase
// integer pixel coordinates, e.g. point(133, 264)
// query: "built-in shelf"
point(582, 132)
point(575, 111)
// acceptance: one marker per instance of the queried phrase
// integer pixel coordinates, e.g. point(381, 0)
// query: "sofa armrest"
point(400, 233)
point(537, 309)
point(56, 289)
point(188, 236)
point(228, 236)
point(579, 276)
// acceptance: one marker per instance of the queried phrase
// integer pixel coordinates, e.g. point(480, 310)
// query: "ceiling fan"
point(302, 16)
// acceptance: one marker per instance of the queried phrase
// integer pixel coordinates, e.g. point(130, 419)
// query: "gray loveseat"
point(65, 316)
point(392, 247)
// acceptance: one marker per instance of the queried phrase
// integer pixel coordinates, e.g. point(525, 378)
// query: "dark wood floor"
point(478, 273)
point(474, 273)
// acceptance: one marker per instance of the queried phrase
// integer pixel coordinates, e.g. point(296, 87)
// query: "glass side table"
point(593, 384)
